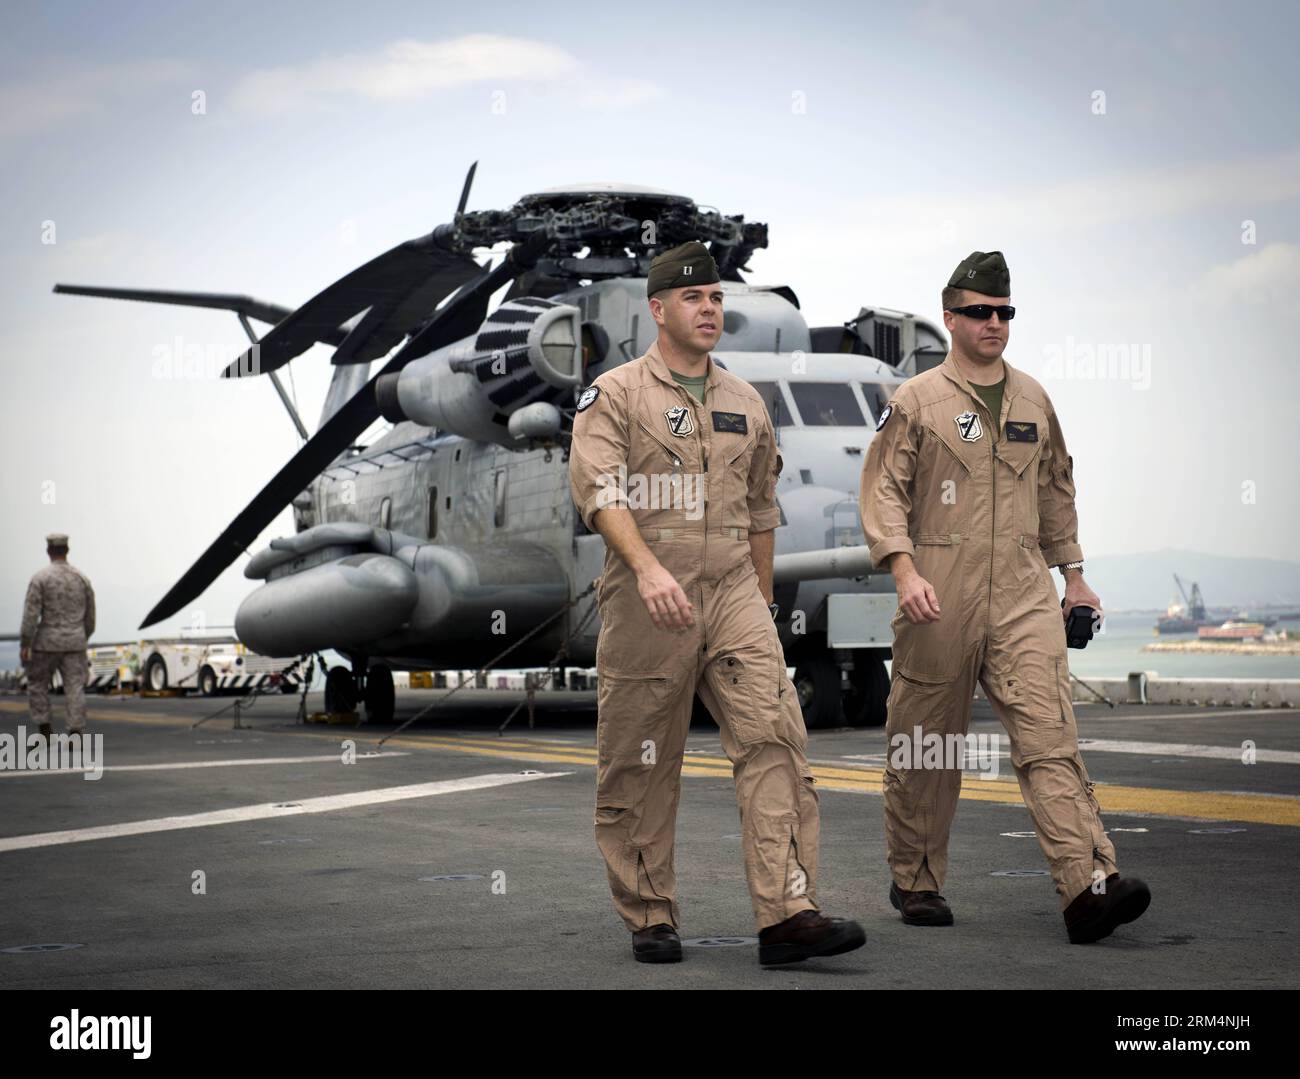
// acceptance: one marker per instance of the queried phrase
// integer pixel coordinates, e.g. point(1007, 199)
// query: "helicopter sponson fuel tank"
point(506, 384)
point(353, 585)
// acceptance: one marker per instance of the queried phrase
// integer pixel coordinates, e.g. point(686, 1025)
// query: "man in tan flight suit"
point(682, 486)
point(968, 507)
point(58, 619)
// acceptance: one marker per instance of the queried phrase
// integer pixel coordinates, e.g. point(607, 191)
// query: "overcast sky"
point(1138, 164)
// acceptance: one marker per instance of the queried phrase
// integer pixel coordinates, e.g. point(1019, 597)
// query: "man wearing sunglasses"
point(967, 497)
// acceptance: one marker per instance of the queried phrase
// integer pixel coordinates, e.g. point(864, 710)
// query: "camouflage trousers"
point(72, 666)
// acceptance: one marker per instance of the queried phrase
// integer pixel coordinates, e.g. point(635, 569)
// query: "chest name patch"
point(1020, 431)
point(679, 421)
point(730, 421)
point(969, 426)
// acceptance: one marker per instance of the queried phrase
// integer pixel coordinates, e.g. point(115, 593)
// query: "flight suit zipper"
point(672, 454)
point(993, 516)
point(993, 487)
point(698, 408)
point(993, 539)
point(951, 452)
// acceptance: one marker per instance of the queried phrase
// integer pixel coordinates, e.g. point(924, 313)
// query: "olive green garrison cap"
point(686, 264)
point(983, 271)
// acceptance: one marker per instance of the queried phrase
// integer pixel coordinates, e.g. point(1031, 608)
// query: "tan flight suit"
point(58, 619)
point(642, 420)
point(983, 517)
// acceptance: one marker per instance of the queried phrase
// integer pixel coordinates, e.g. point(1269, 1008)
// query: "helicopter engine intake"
point(527, 355)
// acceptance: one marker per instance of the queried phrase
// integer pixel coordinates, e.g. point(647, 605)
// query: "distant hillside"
point(1138, 582)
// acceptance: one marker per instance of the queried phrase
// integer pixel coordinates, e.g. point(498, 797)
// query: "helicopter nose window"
point(777, 410)
point(877, 396)
point(826, 404)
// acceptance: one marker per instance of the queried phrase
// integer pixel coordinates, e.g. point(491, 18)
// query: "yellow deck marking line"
point(1206, 805)
point(1202, 805)
point(109, 717)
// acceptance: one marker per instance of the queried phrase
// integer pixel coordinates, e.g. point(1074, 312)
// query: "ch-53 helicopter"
point(454, 533)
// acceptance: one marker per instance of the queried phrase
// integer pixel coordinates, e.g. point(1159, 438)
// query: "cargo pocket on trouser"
point(747, 689)
point(790, 722)
point(1036, 710)
point(635, 836)
point(927, 652)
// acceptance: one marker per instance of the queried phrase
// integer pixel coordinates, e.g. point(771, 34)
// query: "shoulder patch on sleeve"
point(588, 397)
point(884, 416)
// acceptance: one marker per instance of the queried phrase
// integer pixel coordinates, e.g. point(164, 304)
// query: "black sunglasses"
point(983, 311)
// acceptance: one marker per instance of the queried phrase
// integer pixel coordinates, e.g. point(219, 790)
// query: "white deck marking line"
point(1258, 712)
point(232, 763)
point(273, 810)
point(1186, 749)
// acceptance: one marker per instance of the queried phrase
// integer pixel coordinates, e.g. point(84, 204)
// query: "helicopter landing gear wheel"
point(340, 690)
point(381, 700)
point(817, 681)
point(868, 694)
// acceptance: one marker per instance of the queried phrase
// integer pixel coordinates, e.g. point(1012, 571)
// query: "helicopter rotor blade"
point(464, 191)
point(459, 317)
point(396, 290)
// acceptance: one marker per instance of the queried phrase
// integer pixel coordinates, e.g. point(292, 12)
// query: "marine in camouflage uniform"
point(58, 619)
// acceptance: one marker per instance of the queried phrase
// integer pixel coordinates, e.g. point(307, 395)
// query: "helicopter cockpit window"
point(777, 410)
point(877, 395)
point(827, 404)
point(499, 514)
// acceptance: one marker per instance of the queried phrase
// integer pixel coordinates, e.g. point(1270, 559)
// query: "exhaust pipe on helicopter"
point(507, 384)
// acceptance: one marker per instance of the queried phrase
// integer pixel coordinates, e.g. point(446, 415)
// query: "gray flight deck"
point(338, 897)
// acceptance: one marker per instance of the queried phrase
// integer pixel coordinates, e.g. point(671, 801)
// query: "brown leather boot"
point(657, 944)
point(920, 908)
point(1090, 917)
point(807, 934)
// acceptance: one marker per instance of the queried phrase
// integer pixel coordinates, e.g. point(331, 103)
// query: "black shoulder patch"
point(886, 412)
point(1021, 431)
point(730, 421)
point(588, 397)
